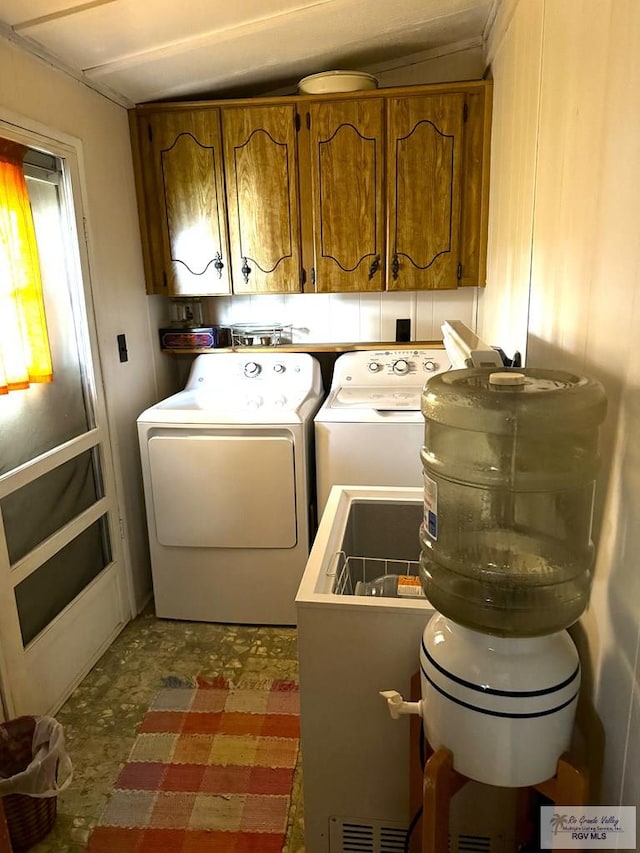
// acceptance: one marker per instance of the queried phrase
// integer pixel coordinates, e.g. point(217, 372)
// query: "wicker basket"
point(29, 819)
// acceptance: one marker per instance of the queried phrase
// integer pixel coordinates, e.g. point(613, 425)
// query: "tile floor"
point(101, 717)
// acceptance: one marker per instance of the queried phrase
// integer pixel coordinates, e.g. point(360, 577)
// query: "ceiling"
point(146, 50)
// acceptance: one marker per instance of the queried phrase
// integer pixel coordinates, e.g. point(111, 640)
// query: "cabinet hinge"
point(465, 112)
point(297, 121)
point(459, 272)
point(303, 276)
point(313, 276)
point(150, 132)
point(308, 121)
point(164, 278)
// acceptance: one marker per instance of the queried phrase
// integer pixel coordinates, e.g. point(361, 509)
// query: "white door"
point(64, 594)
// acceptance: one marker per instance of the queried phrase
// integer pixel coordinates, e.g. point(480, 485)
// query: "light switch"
point(122, 348)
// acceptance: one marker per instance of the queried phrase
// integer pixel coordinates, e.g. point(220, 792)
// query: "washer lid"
point(379, 398)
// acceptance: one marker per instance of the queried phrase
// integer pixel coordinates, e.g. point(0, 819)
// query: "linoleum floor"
point(101, 717)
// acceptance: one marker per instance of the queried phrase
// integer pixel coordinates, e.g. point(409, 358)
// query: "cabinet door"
point(147, 198)
point(424, 185)
point(262, 192)
point(187, 159)
point(346, 140)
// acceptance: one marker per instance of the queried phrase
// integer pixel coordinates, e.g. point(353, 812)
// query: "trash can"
point(33, 760)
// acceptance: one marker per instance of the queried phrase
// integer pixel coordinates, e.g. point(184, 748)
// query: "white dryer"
point(226, 465)
point(369, 431)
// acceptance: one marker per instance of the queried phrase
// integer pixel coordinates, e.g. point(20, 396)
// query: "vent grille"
point(357, 838)
point(471, 844)
point(349, 835)
point(392, 839)
point(372, 836)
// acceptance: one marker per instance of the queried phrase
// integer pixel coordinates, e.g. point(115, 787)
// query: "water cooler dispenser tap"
point(398, 706)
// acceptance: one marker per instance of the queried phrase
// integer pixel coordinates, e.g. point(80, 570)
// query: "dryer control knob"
point(374, 367)
point(278, 368)
point(252, 368)
point(401, 367)
point(430, 366)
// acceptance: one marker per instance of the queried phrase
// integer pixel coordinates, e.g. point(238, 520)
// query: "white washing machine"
point(226, 466)
point(369, 431)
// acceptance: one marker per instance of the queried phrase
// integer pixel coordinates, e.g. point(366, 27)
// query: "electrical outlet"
point(403, 330)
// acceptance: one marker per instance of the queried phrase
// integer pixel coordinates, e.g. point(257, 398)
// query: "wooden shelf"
point(311, 348)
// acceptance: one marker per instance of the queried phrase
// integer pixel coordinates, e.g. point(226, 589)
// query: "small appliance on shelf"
point(202, 337)
point(187, 329)
point(260, 334)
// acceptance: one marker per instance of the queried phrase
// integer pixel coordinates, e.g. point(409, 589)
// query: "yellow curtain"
point(25, 356)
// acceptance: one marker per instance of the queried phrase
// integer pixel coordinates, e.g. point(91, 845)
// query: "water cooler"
point(510, 459)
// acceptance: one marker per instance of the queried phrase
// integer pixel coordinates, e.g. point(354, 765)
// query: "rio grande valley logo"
point(588, 827)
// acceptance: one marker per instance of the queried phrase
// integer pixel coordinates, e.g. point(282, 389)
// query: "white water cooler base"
point(504, 707)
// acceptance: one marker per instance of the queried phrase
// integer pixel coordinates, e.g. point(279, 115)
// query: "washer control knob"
point(401, 367)
point(252, 369)
point(278, 367)
point(430, 365)
point(374, 367)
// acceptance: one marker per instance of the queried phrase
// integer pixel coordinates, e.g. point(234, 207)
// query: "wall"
point(31, 89)
point(319, 318)
point(563, 240)
point(339, 318)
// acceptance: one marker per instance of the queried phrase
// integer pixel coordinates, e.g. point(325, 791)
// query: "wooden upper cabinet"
point(383, 190)
point(425, 158)
point(475, 190)
point(261, 167)
point(186, 156)
point(346, 140)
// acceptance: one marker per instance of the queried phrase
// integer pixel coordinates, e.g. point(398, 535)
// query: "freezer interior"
point(380, 538)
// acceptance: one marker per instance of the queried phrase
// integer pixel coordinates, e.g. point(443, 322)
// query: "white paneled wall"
point(515, 57)
point(571, 177)
point(350, 317)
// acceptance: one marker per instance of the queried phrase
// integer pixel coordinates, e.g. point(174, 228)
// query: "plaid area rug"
point(211, 771)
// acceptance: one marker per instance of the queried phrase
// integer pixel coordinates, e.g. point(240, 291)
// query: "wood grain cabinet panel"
point(186, 163)
point(147, 193)
point(346, 166)
point(425, 151)
point(261, 167)
point(383, 190)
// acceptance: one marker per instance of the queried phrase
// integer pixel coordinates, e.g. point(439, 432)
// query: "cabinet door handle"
point(395, 266)
point(218, 264)
point(246, 269)
point(373, 269)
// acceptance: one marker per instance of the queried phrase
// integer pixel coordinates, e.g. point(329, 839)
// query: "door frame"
point(109, 598)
